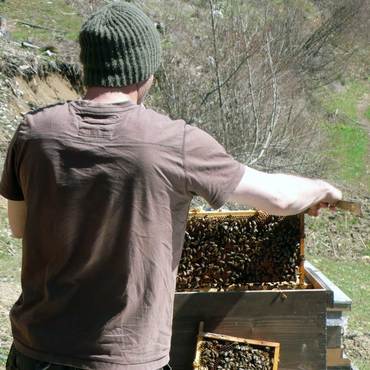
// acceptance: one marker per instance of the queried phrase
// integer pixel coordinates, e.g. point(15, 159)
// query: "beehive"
point(294, 315)
point(241, 250)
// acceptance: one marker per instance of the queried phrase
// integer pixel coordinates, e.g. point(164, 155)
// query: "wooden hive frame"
point(255, 343)
point(251, 213)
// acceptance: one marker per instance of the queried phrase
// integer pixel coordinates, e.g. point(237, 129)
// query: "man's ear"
point(143, 88)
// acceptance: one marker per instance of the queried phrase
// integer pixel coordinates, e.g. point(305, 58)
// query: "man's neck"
point(109, 95)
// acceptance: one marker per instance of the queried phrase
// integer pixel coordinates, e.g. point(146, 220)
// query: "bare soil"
point(357, 346)
point(39, 92)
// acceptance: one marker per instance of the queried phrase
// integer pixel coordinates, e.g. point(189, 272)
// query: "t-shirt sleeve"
point(210, 171)
point(10, 186)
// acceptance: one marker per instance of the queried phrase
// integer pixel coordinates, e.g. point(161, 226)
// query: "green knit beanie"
point(120, 46)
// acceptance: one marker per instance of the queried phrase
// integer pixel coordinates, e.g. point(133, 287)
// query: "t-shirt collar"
point(91, 106)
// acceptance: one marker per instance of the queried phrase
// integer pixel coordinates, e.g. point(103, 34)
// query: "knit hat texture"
point(120, 46)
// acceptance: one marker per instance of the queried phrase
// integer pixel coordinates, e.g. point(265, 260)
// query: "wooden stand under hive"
point(290, 310)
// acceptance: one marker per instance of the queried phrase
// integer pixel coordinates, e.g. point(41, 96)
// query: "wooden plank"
point(242, 213)
point(277, 358)
point(263, 343)
point(302, 252)
point(335, 357)
point(295, 319)
point(196, 362)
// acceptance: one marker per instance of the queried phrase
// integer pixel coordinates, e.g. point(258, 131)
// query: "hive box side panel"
point(295, 319)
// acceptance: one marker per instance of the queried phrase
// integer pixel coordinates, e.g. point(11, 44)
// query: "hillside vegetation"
point(283, 84)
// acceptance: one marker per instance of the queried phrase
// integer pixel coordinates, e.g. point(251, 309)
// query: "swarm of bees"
point(223, 355)
point(240, 252)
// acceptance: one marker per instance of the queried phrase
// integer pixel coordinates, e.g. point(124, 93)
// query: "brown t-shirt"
point(107, 189)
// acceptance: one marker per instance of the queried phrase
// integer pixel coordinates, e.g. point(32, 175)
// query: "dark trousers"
point(18, 361)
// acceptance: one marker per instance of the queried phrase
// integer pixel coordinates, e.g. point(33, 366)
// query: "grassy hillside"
point(348, 138)
point(336, 244)
point(55, 15)
point(43, 23)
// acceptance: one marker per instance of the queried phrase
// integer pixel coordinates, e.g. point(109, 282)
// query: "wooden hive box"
point(295, 318)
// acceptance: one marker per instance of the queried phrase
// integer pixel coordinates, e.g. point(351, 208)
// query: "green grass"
point(353, 278)
point(367, 113)
point(348, 142)
point(346, 102)
point(363, 364)
point(53, 14)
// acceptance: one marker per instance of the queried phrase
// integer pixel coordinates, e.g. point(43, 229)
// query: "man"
point(99, 191)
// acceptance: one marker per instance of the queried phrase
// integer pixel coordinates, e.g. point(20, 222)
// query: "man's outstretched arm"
point(284, 195)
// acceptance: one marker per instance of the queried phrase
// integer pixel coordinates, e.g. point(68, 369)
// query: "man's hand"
point(315, 210)
point(333, 195)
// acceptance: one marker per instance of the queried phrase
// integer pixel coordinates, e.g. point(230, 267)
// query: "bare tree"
point(246, 75)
